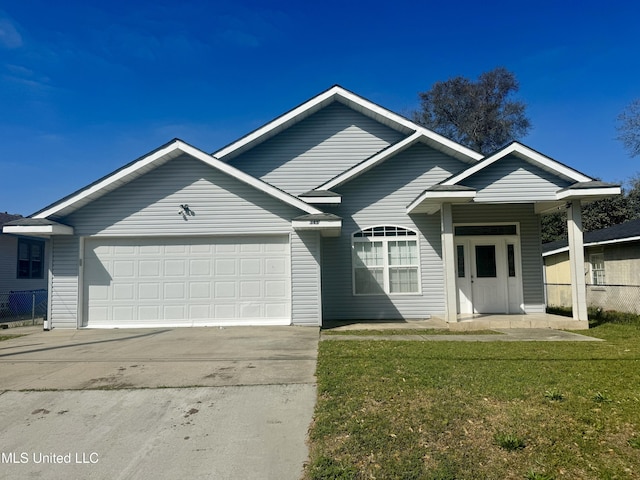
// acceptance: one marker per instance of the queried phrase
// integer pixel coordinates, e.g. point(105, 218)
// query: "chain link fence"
point(23, 305)
point(608, 297)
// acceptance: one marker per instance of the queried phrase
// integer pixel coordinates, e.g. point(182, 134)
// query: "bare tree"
point(480, 115)
point(628, 127)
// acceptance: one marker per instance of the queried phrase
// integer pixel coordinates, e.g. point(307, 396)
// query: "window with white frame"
point(597, 268)
point(385, 261)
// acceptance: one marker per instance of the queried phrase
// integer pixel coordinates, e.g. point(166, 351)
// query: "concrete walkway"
point(503, 335)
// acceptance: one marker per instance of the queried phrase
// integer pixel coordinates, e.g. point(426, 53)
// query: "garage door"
point(178, 282)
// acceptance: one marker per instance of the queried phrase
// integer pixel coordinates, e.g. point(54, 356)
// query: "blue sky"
point(87, 86)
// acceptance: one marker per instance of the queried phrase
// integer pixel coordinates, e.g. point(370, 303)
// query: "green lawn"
point(451, 410)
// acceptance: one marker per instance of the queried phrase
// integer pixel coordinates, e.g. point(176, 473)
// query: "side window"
point(30, 258)
point(597, 268)
point(385, 261)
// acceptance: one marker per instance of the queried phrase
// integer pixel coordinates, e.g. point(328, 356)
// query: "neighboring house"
point(338, 209)
point(22, 269)
point(22, 260)
point(611, 268)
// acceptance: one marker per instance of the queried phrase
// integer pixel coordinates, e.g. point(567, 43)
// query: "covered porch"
point(490, 238)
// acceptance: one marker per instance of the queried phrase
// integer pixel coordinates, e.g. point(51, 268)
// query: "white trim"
point(327, 228)
point(593, 270)
point(535, 157)
point(350, 99)
point(385, 239)
point(499, 240)
point(49, 285)
point(489, 224)
point(80, 314)
point(441, 197)
point(191, 323)
point(371, 162)
point(173, 150)
point(321, 200)
point(587, 192)
point(44, 230)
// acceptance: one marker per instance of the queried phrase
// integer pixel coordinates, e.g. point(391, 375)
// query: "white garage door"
point(178, 282)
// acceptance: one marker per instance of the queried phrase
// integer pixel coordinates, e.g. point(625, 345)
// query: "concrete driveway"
point(220, 403)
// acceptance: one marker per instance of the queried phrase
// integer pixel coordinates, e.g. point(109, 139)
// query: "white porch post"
point(576, 260)
point(449, 263)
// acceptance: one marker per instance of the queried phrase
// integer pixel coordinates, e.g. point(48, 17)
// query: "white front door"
point(488, 275)
point(488, 283)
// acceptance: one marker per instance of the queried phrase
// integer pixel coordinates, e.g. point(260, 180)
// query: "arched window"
point(385, 261)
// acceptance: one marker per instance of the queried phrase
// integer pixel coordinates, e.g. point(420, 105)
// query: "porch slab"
point(465, 323)
point(531, 320)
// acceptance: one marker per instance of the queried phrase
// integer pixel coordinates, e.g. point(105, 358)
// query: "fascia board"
point(109, 180)
point(248, 179)
point(350, 99)
point(321, 200)
point(315, 224)
point(172, 148)
point(528, 154)
point(371, 162)
point(442, 197)
point(38, 229)
point(587, 193)
point(290, 117)
point(400, 120)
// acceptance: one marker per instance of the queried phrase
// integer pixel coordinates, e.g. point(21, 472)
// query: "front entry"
point(488, 274)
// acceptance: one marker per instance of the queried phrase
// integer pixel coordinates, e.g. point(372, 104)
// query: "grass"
point(409, 331)
point(9, 337)
point(451, 410)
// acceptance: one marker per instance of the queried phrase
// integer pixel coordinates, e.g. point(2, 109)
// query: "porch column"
point(576, 260)
point(449, 263)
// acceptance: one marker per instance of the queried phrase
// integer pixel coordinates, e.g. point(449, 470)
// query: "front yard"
point(470, 410)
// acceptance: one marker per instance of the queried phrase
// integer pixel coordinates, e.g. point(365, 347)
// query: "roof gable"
point(351, 100)
point(527, 154)
point(144, 164)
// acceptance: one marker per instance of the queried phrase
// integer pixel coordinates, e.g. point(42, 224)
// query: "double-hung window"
point(597, 268)
point(30, 258)
point(385, 261)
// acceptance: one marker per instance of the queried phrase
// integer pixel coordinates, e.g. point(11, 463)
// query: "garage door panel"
point(225, 267)
point(212, 281)
point(149, 268)
point(149, 291)
point(200, 267)
point(148, 313)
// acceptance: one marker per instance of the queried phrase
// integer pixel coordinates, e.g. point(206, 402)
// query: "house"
point(337, 209)
point(22, 260)
point(23, 276)
point(611, 268)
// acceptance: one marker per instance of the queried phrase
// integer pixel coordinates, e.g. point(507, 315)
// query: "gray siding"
point(9, 267)
point(380, 197)
point(306, 295)
point(64, 282)
point(530, 243)
point(316, 149)
point(511, 179)
point(149, 205)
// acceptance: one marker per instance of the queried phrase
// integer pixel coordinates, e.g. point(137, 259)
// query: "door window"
point(486, 261)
